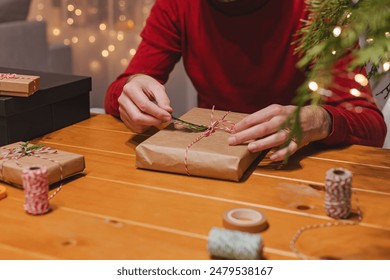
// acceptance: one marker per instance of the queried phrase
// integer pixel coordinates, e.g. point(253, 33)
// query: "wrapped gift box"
point(18, 85)
point(61, 100)
point(60, 164)
point(209, 157)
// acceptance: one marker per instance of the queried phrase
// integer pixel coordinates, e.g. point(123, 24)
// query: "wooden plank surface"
point(117, 211)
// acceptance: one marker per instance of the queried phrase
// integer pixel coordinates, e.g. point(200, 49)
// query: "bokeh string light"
point(359, 78)
point(103, 35)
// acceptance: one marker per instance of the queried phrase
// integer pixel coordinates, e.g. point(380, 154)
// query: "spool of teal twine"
point(234, 245)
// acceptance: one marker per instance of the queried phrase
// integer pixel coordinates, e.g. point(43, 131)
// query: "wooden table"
point(116, 211)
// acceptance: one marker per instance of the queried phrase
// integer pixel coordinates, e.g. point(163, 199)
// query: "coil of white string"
point(240, 240)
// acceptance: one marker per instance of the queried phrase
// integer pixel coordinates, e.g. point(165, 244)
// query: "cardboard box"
point(12, 84)
point(60, 164)
point(62, 100)
point(211, 156)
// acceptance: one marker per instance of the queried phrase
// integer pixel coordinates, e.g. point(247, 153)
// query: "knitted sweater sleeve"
point(355, 119)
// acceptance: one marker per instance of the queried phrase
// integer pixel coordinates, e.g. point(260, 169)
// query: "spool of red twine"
point(338, 193)
point(36, 189)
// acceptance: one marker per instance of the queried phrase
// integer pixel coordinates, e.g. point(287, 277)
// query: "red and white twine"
point(219, 124)
point(7, 76)
point(338, 190)
point(36, 189)
point(35, 179)
point(338, 193)
point(19, 152)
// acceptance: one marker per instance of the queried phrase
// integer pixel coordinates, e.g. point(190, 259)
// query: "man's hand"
point(143, 103)
point(262, 129)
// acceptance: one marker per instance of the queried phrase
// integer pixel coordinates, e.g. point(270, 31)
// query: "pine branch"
point(331, 33)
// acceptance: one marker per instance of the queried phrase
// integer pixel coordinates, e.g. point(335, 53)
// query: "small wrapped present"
point(18, 85)
point(18, 156)
point(206, 154)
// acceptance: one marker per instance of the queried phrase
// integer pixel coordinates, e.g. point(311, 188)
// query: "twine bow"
point(24, 150)
point(7, 76)
point(219, 124)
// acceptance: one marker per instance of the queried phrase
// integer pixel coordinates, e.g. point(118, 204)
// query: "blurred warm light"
point(132, 51)
point(70, 21)
point(348, 106)
point(96, 30)
point(70, 8)
point(124, 62)
point(92, 39)
point(369, 40)
point(313, 86)
point(325, 92)
point(75, 39)
point(130, 24)
point(95, 66)
point(105, 53)
point(358, 109)
point(333, 52)
point(102, 26)
point(56, 31)
point(361, 79)
point(355, 92)
point(111, 48)
point(387, 34)
point(120, 36)
point(386, 66)
point(337, 31)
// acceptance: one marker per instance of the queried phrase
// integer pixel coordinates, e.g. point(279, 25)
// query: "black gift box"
point(61, 100)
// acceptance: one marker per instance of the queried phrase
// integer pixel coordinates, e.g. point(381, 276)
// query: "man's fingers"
point(281, 154)
point(137, 121)
point(161, 98)
point(127, 121)
point(143, 100)
point(255, 132)
point(271, 141)
point(260, 116)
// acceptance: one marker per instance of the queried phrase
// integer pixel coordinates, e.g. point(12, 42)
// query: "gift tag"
point(3, 192)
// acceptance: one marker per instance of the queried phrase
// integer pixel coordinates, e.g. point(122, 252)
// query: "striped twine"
point(36, 188)
point(338, 191)
point(34, 179)
point(220, 124)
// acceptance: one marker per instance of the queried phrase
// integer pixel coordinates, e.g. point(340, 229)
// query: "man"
point(239, 56)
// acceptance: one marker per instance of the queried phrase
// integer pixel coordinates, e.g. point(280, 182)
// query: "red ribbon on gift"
point(219, 124)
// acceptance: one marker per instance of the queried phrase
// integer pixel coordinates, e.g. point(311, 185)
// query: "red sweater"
point(240, 58)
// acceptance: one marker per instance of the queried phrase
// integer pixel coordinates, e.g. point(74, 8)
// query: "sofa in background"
point(24, 45)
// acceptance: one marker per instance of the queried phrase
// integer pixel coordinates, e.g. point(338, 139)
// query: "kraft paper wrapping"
point(69, 163)
point(18, 85)
point(210, 157)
